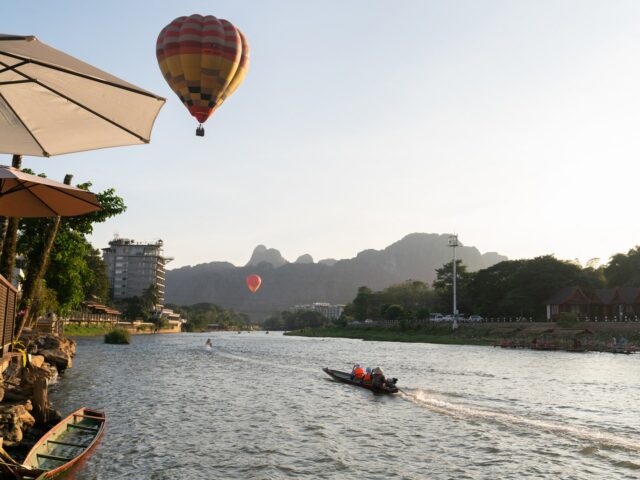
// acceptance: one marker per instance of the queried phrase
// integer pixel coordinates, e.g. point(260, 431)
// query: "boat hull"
point(346, 378)
point(67, 444)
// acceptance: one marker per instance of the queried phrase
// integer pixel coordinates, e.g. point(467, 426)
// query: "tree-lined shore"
point(589, 336)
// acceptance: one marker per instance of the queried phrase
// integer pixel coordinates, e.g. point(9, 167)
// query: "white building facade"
point(133, 266)
point(332, 312)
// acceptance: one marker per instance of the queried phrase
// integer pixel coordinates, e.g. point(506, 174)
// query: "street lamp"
point(453, 243)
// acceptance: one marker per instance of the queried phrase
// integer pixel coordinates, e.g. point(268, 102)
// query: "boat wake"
point(601, 439)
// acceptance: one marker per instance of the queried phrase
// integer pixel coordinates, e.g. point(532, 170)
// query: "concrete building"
point(332, 312)
point(134, 266)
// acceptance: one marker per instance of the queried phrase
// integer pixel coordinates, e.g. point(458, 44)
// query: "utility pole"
point(453, 243)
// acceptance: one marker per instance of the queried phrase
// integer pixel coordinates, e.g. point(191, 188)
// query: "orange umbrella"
point(24, 195)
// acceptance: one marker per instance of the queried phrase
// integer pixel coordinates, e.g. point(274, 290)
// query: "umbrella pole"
point(8, 259)
point(36, 274)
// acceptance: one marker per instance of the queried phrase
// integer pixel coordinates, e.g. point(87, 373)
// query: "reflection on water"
point(259, 406)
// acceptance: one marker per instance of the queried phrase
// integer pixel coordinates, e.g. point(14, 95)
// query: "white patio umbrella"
point(52, 103)
point(24, 195)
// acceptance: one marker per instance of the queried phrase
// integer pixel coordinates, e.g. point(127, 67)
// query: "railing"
point(512, 319)
point(8, 301)
point(92, 318)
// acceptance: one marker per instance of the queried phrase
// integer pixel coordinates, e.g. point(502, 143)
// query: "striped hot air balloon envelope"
point(203, 59)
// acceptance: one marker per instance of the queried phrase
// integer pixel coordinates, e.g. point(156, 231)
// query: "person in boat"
point(377, 377)
point(367, 376)
point(209, 343)
point(357, 373)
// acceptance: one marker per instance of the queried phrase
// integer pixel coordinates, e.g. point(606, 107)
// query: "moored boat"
point(65, 445)
point(388, 387)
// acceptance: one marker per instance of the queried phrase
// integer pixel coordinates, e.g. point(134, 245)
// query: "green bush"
point(86, 331)
point(566, 320)
point(118, 336)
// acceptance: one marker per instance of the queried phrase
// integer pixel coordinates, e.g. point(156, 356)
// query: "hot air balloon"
point(203, 59)
point(253, 282)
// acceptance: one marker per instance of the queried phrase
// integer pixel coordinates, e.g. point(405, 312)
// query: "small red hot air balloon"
point(253, 282)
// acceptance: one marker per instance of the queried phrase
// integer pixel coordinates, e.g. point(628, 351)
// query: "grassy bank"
point(85, 331)
point(425, 334)
point(590, 334)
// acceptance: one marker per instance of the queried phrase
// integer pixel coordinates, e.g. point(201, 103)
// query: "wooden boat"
point(65, 445)
point(389, 387)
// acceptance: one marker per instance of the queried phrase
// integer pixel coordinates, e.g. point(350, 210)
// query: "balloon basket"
point(200, 131)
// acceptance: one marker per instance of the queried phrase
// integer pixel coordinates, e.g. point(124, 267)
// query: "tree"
point(362, 304)
point(443, 285)
point(201, 315)
point(10, 235)
point(393, 312)
point(624, 270)
point(151, 297)
point(97, 288)
point(274, 322)
point(133, 308)
point(414, 297)
point(520, 288)
point(68, 273)
point(38, 268)
point(58, 253)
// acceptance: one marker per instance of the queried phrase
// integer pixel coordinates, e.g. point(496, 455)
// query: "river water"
point(259, 406)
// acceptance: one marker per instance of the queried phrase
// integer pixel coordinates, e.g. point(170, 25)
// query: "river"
point(259, 406)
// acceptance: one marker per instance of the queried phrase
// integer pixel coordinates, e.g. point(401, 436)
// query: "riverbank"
point(35, 363)
point(583, 335)
point(429, 334)
point(84, 330)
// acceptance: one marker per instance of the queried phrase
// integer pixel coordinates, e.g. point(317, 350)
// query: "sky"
point(512, 123)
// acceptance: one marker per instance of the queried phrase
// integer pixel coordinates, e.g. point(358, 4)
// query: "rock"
point(262, 254)
point(12, 374)
point(36, 361)
point(58, 358)
point(53, 415)
point(44, 341)
point(49, 354)
point(14, 419)
point(32, 375)
point(15, 395)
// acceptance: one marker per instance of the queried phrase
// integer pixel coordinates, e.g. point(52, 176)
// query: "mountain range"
point(285, 284)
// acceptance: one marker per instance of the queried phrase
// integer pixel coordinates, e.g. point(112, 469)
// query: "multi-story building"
point(332, 312)
point(132, 267)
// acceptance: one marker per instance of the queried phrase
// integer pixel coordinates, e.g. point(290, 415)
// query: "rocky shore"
point(24, 388)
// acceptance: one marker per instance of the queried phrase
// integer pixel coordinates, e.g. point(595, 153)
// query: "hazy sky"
point(514, 123)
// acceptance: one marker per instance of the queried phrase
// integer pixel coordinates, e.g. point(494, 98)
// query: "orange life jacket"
point(359, 372)
point(367, 377)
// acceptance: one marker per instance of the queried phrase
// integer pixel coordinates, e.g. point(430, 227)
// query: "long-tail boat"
point(64, 446)
point(388, 387)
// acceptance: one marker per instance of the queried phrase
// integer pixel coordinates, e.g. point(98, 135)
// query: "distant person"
point(367, 376)
point(377, 378)
point(209, 343)
point(357, 373)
